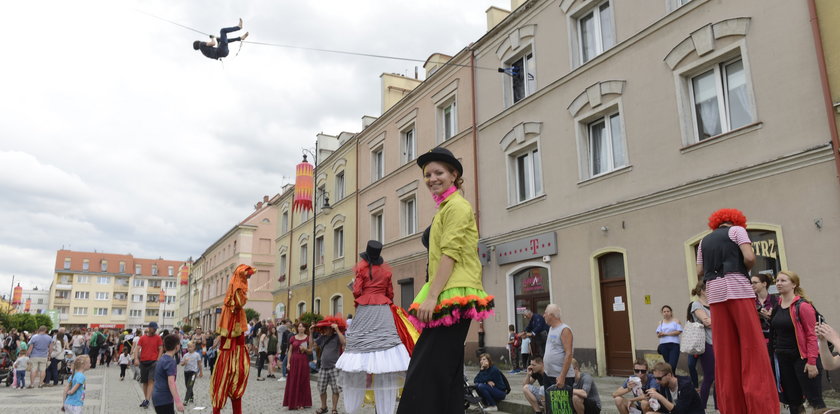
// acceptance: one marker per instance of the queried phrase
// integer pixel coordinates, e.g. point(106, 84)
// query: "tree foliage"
point(251, 314)
point(310, 318)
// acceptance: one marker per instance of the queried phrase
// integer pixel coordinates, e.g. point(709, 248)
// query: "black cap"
point(440, 154)
point(371, 253)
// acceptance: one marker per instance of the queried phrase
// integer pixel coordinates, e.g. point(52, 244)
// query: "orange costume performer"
point(230, 376)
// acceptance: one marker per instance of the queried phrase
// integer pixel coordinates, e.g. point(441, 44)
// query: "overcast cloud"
point(116, 136)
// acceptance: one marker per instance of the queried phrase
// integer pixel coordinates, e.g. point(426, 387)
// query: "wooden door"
point(616, 329)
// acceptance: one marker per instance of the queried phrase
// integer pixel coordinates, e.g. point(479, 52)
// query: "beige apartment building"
point(618, 129)
point(329, 254)
point(92, 289)
point(249, 242)
point(189, 301)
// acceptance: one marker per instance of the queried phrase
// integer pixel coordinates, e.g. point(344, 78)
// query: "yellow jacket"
point(455, 234)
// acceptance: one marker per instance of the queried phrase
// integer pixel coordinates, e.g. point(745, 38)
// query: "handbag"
point(693, 337)
point(558, 400)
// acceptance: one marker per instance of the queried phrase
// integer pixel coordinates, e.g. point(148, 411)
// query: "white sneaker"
point(491, 408)
point(281, 379)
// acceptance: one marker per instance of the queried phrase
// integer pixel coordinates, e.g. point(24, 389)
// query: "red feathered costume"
point(230, 375)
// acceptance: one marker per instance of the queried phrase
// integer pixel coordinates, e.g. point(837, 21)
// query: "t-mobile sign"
point(527, 248)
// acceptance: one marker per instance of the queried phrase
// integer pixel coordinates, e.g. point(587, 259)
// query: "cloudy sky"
point(116, 136)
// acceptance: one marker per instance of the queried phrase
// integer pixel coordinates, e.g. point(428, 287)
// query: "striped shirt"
point(732, 285)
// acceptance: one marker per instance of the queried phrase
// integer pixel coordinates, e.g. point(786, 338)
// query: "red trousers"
point(743, 378)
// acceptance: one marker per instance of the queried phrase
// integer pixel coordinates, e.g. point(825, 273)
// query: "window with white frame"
point(339, 186)
point(596, 31)
point(337, 305)
point(122, 267)
point(82, 295)
point(720, 100)
point(86, 265)
point(137, 298)
point(447, 119)
point(81, 279)
point(284, 222)
point(408, 216)
point(152, 298)
point(605, 148)
point(152, 312)
point(526, 171)
point(154, 283)
point(523, 76)
point(135, 313)
point(139, 282)
point(120, 296)
point(377, 158)
point(168, 314)
point(170, 271)
point(304, 215)
point(317, 305)
point(154, 270)
point(80, 311)
point(319, 205)
point(138, 269)
point(301, 306)
point(104, 280)
point(282, 264)
point(170, 299)
point(170, 284)
point(408, 144)
point(102, 296)
point(377, 227)
point(103, 265)
point(319, 250)
point(66, 263)
point(63, 310)
point(100, 311)
point(338, 242)
point(304, 256)
point(117, 311)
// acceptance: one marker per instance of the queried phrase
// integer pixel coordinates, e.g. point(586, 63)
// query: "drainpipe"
point(829, 109)
point(475, 138)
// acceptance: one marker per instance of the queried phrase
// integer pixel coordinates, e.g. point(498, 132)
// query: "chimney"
point(394, 87)
point(435, 62)
point(495, 15)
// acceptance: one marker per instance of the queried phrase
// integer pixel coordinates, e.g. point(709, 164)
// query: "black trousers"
point(189, 381)
point(94, 356)
point(165, 409)
point(122, 370)
point(795, 382)
point(434, 382)
point(52, 372)
point(261, 362)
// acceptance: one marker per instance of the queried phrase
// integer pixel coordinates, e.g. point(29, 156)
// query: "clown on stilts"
point(230, 375)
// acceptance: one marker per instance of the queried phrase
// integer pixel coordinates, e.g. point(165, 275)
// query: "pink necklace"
point(439, 198)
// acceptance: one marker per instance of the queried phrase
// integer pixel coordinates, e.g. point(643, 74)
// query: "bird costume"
point(230, 376)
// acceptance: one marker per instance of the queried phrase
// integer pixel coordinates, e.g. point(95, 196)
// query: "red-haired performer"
point(230, 375)
point(744, 381)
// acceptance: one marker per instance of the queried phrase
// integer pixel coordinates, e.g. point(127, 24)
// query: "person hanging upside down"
point(215, 50)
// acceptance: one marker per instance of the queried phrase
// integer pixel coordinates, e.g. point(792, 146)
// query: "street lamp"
point(324, 196)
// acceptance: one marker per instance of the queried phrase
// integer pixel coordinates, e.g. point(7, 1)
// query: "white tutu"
point(394, 359)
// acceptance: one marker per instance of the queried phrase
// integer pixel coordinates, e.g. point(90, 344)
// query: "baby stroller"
point(6, 372)
point(65, 367)
point(471, 396)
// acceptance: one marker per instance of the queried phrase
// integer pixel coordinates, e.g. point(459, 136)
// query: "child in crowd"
point(74, 391)
point(165, 393)
point(192, 365)
point(526, 350)
point(513, 345)
point(21, 366)
point(125, 361)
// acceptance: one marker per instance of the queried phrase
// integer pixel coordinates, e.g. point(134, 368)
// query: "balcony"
point(61, 301)
point(63, 317)
point(116, 301)
point(64, 286)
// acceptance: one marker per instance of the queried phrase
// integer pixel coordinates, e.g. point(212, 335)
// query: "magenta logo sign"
point(527, 248)
point(534, 282)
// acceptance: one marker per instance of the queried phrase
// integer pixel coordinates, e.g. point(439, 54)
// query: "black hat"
point(440, 154)
point(371, 253)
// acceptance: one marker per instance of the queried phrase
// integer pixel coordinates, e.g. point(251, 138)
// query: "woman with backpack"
point(795, 346)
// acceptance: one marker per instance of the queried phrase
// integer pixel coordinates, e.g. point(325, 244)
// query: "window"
point(337, 305)
point(304, 215)
point(282, 264)
point(152, 312)
point(318, 305)
point(377, 227)
point(596, 32)
point(523, 76)
point(284, 222)
point(303, 256)
point(170, 284)
point(301, 308)
point(120, 296)
point(377, 164)
point(117, 311)
point(80, 311)
point(66, 263)
point(86, 265)
point(100, 311)
point(139, 282)
point(170, 270)
point(154, 270)
point(63, 310)
point(152, 298)
point(527, 174)
point(322, 190)
point(170, 299)
point(168, 314)
point(138, 269)
point(605, 145)
point(62, 294)
point(720, 99)
point(104, 265)
point(406, 292)
point(408, 216)
point(82, 295)
point(338, 242)
point(319, 250)
point(66, 279)
point(611, 266)
point(81, 279)
point(154, 283)
point(40, 301)
point(104, 280)
point(339, 186)
point(135, 313)
point(407, 144)
point(122, 267)
point(102, 296)
point(447, 119)
point(137, 298)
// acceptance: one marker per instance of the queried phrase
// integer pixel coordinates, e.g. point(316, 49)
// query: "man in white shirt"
point(559, 351)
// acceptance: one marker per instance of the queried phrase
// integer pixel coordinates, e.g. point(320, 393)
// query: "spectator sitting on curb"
point(532, 386)
point(638, 402)
point(585, 396)
point(675, 395)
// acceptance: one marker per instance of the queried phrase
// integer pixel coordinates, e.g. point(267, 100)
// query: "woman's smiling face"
point(438, 178)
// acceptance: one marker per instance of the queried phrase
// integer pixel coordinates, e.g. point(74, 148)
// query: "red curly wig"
point(727, 215)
